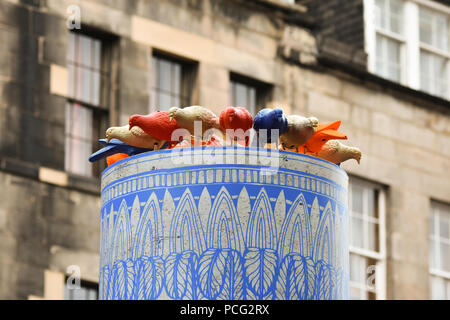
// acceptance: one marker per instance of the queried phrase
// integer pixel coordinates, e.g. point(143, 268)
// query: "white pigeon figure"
point(186, 118)
point(299, 131)
point(135, 137)
point(337, 152)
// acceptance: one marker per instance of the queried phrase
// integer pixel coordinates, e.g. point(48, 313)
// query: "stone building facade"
point(308, 57)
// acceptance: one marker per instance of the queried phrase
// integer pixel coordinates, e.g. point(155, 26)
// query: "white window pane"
point(432, 254)
point(389, 15)
point(166, 84)
point(97, 47)
point(388, 57)
point(380, 13)
point(393, 58)
point(433, 74)
point(79, 294)
point(71, 47)
point(431, 230)
point(81, 126)
point(373, 236)
point(72, 80)
point(426, 26)
point(357, 199)
point(164, 76)
point(357, 270)
point(447, 285)
point(92, 294)
point(357, 232)
point(164, 101)
point(434, 28)
point(68, 153)
point(153, 100)
point(437, 288)
point(240, 95)
point(154, 72)
point(441, 32)
point(243, 95)
point(444, 226)
point(78, 141)
point(252, 100)
point(444, 257)
point(440, 237)
point(232, 93)
point(74, 147)
point(85, 51)
point(356, 293)
point(396, 15)
point(85, 85)
point(176, 79)
point(425, 71)
point(95, 88)
point(82, 293)
point(372, 205)
point(176, 102)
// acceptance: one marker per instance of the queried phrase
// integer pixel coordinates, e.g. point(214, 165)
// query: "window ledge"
point(33, 171)
point(440, 273)
point(292, 13)
point(405, 92)
point(293, 7)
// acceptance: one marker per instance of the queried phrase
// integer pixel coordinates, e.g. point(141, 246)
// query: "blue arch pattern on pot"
point(179, 234)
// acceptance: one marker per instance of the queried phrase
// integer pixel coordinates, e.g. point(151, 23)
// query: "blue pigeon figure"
point(115, 146)
point(270, 119)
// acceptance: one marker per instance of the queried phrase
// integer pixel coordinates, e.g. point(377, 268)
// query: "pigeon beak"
point(170, 117)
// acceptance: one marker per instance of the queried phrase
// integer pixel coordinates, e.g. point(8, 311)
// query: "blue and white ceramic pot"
point(224, 223)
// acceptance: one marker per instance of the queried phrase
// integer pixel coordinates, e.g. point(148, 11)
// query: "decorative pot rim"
point(210, 148)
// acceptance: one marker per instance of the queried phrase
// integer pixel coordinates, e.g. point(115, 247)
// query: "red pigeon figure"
point(236, 118)
point(323, 134)
point(156, 124)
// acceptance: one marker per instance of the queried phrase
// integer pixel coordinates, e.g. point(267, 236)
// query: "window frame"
point(410, 74)
point(85, 285)
point(101, 113)
point(263, 91)
point(435, 272)
point(188, 77)
point(380, 257)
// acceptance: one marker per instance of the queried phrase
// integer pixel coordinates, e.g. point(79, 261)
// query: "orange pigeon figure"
point(157, 124)
point(323, 134)
point(236, 118)
point(115, 157)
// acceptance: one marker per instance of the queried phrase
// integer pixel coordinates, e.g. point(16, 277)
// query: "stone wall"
point(49, 217)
